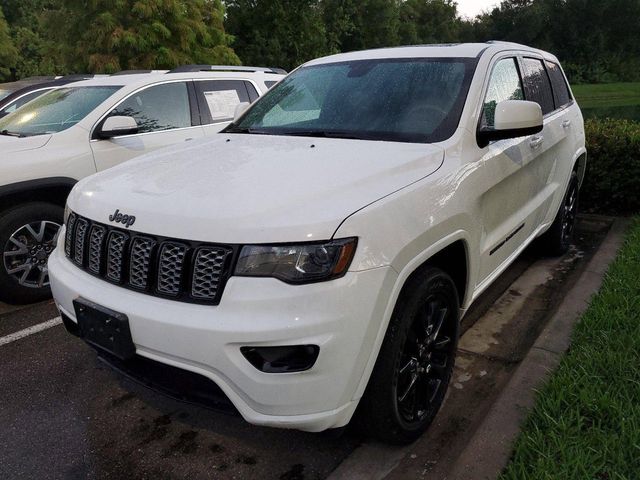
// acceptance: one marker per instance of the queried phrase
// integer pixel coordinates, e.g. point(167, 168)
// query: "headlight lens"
point(302, 263)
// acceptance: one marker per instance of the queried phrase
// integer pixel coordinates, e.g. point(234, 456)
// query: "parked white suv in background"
point(89, 126)
point(319, 254)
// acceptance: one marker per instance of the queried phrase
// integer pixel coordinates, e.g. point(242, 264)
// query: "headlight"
point(302, 263)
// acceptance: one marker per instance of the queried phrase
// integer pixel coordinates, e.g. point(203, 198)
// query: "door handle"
point(536, 141)
point(188, 139)
point(566, 124)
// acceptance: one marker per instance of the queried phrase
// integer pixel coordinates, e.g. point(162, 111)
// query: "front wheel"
point(557, 240)
point(28, 235)
point(415, 363)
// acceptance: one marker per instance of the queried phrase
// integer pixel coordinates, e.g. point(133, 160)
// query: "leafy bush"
point(612, 181)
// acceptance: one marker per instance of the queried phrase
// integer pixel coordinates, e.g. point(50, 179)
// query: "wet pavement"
point(64, 414)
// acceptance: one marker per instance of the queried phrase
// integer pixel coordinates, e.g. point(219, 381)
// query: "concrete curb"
point(489, 449)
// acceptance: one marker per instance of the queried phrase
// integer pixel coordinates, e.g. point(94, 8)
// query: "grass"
point(586, 421)
point(607, 95)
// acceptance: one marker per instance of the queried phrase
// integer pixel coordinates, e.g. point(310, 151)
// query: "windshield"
point(407, 100)
point(4, 93)
point(55, 111)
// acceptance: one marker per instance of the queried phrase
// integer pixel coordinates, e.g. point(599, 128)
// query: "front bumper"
point(341, 316)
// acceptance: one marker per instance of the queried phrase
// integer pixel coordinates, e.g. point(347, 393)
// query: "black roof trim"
point(226, 68)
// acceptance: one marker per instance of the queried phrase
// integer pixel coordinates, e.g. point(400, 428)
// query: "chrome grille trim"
point(71, 223)
point(140, 261)
point(115, 255)
point(82, 226)
point(96, 241)
point(208, 268)
point(170, 268)
point(180, 270)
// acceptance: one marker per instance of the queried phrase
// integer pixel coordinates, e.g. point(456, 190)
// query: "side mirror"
point(240, 109)
point(118, 125)
point(513, 118)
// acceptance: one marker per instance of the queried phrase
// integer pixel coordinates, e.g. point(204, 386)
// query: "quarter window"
point(537, 87)
point(504, 84)
point(157, 108)
point(561, 93)
point(219, 99)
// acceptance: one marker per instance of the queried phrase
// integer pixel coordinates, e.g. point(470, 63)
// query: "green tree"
point(428, 21)
point(276, 33)
point(8, 52)
point(360, 24)
point(111, 35)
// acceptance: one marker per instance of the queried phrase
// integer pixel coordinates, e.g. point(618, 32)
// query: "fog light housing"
point(285, 359)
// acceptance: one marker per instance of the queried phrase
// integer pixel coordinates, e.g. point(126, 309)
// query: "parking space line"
point(30, 331)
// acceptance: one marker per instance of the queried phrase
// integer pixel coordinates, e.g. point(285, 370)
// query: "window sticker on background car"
point(222, 103)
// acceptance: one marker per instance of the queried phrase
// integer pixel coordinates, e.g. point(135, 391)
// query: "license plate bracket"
point(104, 328)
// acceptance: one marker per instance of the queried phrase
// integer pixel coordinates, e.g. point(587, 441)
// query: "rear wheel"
point(557, 240)
point(28, 235)
point(415, 363)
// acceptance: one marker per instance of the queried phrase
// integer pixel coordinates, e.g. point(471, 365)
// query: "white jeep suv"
point(88, 126)
point(318, 254)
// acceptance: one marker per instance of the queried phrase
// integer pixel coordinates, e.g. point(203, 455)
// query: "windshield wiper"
point(327, 134)
point(235, 129)
point(7, 133)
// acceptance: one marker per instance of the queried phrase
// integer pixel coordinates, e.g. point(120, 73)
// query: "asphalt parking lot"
point(67, 415)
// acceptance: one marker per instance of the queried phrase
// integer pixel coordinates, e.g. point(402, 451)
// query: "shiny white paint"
point(512, 114)
point(116, 124)
point(404, 202)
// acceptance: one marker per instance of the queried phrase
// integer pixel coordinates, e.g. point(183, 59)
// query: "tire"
point(28, 234)
point(415, 363)
point(557, 240)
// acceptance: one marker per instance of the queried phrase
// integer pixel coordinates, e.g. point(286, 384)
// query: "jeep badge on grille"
point(126, 220)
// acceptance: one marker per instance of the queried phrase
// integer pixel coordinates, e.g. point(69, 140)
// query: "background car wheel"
point(28, 235)
point(557, 240)
point(415, 363)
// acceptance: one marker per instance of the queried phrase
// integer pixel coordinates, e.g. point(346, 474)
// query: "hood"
point(20, 144)
point(253, 188)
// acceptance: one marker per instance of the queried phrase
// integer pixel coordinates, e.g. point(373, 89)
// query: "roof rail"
point(226, 68)
point(130, 72)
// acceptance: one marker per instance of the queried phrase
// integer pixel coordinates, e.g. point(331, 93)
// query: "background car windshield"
point(4, 93)
point(55, 111)
point(412, 100)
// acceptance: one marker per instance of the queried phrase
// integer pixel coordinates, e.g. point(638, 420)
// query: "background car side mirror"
point(240, 109)
point(118, 125)
point(513, 118)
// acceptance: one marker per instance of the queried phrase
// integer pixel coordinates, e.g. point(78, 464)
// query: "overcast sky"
point(471, 8)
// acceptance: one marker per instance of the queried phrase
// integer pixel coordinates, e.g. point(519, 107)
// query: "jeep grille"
point(178, 269)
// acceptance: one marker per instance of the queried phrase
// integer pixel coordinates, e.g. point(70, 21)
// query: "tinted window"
point(405, 100)
point(219, 99)
point(504, 84)
point(157, 108)
point(16, 104)
point(561, 93)
point(270, 83)
point(56, 111)
point(253, 93)
point(536, 84)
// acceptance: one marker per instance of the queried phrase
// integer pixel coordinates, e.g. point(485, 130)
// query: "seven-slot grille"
point(178, 269)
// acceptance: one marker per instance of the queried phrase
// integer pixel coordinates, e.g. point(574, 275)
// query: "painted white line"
point(30, 331)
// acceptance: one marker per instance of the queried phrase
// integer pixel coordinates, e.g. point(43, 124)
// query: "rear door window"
point(561, 94)
point(218, 99)
point(504, 84)
point(537, 87)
